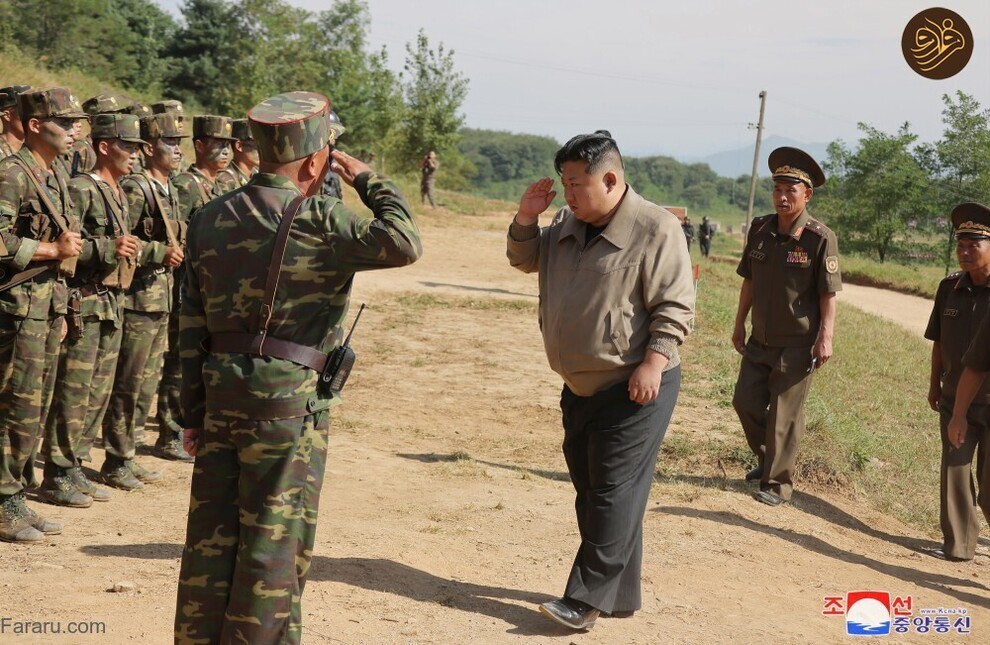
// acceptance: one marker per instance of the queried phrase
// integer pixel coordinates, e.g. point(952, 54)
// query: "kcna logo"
point(937, 43)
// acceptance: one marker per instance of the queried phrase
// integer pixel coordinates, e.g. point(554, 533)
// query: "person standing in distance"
point(428, 169)
point(255, 336)
point(790, 271)
point(616, 301)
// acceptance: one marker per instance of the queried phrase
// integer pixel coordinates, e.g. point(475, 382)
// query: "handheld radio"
point(340, 362)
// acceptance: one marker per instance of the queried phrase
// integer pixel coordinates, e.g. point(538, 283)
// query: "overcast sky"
point(683, 78)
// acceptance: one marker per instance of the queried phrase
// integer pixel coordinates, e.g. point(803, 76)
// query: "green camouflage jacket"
point(5, 150)
point(24, 223)
point(194, 190)
point(229, 250)
point(103, 214)
point(152, 286)
point(231, 178)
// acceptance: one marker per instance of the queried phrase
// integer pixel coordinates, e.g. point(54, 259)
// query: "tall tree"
point(202, 55)
point(875, 193)
point(364, 92)
point(434, 92)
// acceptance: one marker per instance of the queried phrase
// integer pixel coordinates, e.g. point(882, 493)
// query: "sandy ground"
point(910, 312)
point(447, 514)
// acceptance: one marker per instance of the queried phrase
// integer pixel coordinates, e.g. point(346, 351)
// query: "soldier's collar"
point(274, 181)
point(797, 226)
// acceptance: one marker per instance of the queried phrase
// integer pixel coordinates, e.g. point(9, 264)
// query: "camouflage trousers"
point(135, 380)
point(251, 526)
point(169, 410)
point(28, 358)
point(86, 368)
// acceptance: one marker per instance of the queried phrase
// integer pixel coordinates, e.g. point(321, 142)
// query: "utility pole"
point(756, 160)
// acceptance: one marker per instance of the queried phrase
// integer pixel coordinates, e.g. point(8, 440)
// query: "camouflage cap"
point(106, 104)
point(291, 126)
point(209, 125)
point(115, 126)
point(159, 126)
point(971, 221)
point(794, 165)
point(47, 103)
point(140, 110)
point(8, 95)
point(168, 107)
point(241, 131)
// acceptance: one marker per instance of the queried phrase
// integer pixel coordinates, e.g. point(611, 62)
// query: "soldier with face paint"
point(244, 163)
point(153, 212)
point(13, 131)
point(39, 243)
point(212, 139)
point(89, 354)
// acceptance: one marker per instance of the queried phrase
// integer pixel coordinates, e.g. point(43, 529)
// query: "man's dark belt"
point(262, 345)
point(90, 289)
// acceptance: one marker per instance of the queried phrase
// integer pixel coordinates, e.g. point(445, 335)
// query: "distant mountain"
point(733, 163)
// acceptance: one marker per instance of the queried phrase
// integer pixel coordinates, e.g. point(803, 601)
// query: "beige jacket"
point(603, 306)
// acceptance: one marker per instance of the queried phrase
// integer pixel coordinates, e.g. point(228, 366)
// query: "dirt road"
point(910, 312)
point(447, 515)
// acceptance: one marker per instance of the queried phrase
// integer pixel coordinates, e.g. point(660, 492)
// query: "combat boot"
point(84, 485)
point(48, 527)
point(14, 524)
point(116, 473)
point(169, 446)
point(142, 473)
point(57, 488)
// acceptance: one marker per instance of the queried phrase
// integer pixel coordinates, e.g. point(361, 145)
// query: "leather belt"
point(262, 345)
point(90, 289)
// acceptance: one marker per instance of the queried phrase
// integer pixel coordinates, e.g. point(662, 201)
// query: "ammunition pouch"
point(74, 317)
point(123, 274)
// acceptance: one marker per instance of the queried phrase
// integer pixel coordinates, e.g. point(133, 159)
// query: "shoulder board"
point(952, 277)
point(817, 227)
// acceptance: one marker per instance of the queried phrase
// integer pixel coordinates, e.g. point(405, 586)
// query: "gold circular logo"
point(937, 43)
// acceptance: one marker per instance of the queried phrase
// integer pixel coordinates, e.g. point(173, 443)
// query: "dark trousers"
point(611, 446)
point(960, 504)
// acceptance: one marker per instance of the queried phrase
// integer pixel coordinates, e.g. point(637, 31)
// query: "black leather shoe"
point(620, 614)
point(755, 474)
point(570, 613)
point(941, 555)
point(768, 498)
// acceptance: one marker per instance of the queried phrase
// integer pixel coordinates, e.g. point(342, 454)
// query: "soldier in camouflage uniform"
point(13, 129)
point(212, 137)
point(245, 160)
point(258, 424)
point(83, 154)
point(39, 242)
point(89, 354)
point(153, 206)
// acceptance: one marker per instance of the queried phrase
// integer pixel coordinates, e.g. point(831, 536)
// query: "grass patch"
point(870, 430)
point(915, 279)
point(424, 301)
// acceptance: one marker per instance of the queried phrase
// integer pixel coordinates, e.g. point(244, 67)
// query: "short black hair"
point(594, 149)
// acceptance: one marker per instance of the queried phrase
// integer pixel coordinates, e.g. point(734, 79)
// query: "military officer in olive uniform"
point(13, 130)
point(39, 245)
point(244, 163)
point(89, 353)
point(255, 337)
point(961, 305)
point(790, 271)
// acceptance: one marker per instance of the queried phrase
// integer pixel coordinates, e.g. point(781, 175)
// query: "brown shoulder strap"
point(155, 203)
point(275, 266)
point(58, 216)
point(117, 225)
